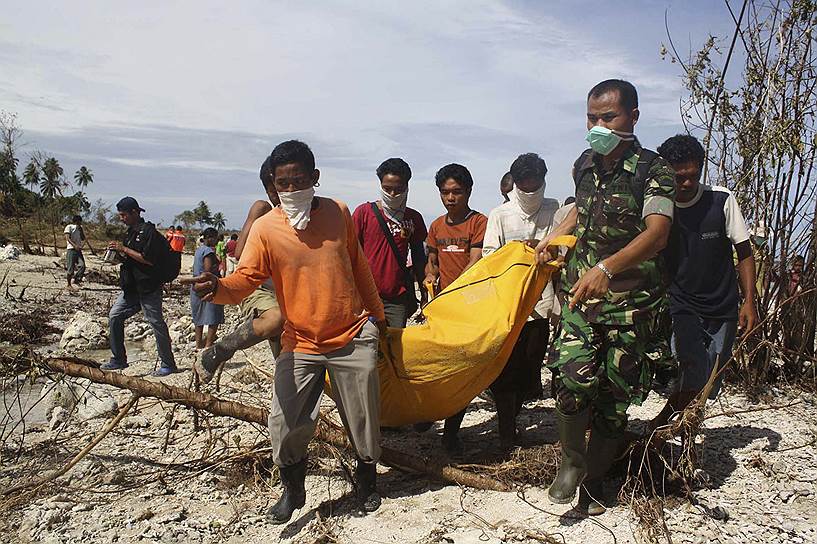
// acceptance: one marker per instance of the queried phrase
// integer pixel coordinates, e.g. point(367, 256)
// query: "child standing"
point(206, 313)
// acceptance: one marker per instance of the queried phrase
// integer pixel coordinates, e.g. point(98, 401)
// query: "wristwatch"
point(600, 266)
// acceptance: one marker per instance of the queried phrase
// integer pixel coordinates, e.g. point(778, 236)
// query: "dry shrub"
point(535, 466)
point(25, 328)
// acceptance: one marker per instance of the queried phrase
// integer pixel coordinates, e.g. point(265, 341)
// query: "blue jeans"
point(700, 344)
point(128, 304)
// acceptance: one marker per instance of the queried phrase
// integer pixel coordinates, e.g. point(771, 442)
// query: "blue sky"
point(178, 102)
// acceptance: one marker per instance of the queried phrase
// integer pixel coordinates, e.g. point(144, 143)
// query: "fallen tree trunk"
point(81, 368)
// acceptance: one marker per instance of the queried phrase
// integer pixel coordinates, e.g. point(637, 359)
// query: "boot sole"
point(566, 500)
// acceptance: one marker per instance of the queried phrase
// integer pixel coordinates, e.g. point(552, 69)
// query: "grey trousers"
point(299, 379)
point(76, 264)
point(397, 311)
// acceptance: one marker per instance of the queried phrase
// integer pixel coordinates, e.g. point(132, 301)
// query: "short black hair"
point(529, 166)
point(396, 167)
point(234, 237)
point(682, 148)
point(264, 173)
point(627, 95)
point(289, 152)
point(454, 171)
point(209, 232)
point(77, 219)
point(569, 200)
point(172, 227)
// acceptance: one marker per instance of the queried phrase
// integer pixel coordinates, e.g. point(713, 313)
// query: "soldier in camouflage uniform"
point(613, 288)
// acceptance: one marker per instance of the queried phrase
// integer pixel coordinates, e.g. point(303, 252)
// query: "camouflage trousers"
point(664, 364)
point(604, 367)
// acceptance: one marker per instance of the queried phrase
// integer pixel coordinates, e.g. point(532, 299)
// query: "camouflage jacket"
point(611, 215)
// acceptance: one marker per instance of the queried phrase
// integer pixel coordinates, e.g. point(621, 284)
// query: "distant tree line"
point(43, 192)
point(201, 216)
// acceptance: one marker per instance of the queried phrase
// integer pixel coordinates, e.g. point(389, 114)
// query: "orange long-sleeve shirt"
point(321, 277)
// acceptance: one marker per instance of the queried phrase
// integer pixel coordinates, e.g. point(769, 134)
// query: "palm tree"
point(218, 221)
point(51, 187)
point(83, 177)
point(52, 181)
point(31, 175)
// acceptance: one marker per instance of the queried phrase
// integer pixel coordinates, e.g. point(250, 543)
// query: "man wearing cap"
point(141, 289)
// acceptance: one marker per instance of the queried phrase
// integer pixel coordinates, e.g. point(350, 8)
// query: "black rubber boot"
point(293, 496)
point(573, 467)
point(451, 441)
point(506, 418)
point(223, 350)
point(366, 479)
point(601, 453)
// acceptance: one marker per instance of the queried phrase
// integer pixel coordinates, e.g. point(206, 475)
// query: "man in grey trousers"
point(334, 317)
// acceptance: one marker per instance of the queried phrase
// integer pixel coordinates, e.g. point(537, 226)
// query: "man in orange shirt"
point(178, 241)
point(334, 317)
point(454, 244)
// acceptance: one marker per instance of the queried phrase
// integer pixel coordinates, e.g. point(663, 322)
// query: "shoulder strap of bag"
point(409, 284)
point(642, 172)
point(578, 166)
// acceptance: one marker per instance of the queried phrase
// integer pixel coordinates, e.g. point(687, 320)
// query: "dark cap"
point(128, 204)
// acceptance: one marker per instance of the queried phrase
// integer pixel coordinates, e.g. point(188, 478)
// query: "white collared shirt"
point(507, 222)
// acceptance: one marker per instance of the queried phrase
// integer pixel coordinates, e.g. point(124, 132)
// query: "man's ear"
point(635, 115)
point(316, 176)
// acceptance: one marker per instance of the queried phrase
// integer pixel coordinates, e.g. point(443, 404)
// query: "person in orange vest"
point(178, 240)
point(170, 232)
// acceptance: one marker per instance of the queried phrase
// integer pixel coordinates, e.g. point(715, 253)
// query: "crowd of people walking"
point(322, 283)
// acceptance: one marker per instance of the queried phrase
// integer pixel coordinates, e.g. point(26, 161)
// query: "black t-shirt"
point(699, 255)
point(133, 275)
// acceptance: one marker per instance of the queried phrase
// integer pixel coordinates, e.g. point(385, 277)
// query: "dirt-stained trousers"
point(299, 381)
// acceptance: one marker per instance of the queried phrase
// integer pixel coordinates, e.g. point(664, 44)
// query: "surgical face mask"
point(297, 206)
point(394, 207)
point(529, 203)
point(603, 140)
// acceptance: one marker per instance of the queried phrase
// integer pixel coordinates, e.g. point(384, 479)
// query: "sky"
point(181, 101)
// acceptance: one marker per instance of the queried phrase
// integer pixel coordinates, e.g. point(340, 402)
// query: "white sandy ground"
point(760, 465)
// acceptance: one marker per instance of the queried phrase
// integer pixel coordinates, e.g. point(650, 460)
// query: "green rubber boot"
point(211, 358)
point(601, 453)
point(574, 465)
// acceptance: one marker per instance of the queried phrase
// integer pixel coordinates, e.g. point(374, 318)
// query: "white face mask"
point(394, 207)
point(529, 203)
point(297, 205)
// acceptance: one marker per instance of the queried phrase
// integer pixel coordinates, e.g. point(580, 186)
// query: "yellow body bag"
point(432, 371)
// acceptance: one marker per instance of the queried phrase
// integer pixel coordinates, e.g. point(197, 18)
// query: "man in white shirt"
point(528, 215)
point(74, 240)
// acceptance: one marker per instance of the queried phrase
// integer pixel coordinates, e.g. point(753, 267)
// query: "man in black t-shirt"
point(141, 288)
point(705, 305)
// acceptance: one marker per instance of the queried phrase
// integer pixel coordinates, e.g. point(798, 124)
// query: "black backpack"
point(167, 263)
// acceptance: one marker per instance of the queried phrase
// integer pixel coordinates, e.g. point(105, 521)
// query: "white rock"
point(58, 416)
point(9, 253)
point(135, 422)
point(182, 330)
point(84, 332)
point(97, 402)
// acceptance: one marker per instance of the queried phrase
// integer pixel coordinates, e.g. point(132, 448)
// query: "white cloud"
point(187, 90)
